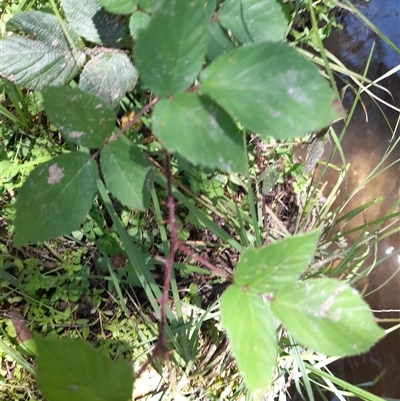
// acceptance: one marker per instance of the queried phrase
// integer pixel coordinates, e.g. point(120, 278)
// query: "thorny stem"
point(260, 160)
point(175, 245)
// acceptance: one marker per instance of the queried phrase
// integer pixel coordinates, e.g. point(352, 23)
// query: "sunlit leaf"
point(92, 22)
point(199, 130)
point(72, 370)
point(271, 90)
point(82, 118)
point(328, 316)
point(43, 58)
point(169, 53)
point(55, 198)
point(45, 28)
point(276, 265)
point(138, 20)
point(251, 332)
point(254, 20)
point(109, 76)
point(127, 173)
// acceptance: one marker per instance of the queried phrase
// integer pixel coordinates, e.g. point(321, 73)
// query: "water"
point(364, 145)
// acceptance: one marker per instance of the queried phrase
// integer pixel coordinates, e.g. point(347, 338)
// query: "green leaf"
point(109, 76)
point(171, 50)
point(82, 118)
point(72, 370)
point(127, 173)
point(210, 8)
point(328, 316)
point(199, 130)
point(254, 20)
point(92, 22)
point(276, 265)
point(44, 27)
point(120, 6)
point(55, 198)
point(251, 331)
point(138, 20)
point(27, 347)
point(218, 41)
point(45, 58)
point(150, 6)
point(271, 90)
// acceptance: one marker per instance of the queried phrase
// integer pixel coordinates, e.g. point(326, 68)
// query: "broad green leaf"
point(169, 53)
point(43, 58)
point(92, 22)
point(109, 76)
point(150, 6)
point(272, 90)
point(45, 28)
point(138, 20)
point(120, 6)
point(276, 265)
point(210, 8)
point(199, 130)
point(251, 331)
point(127, 173)
point(82, 118)
point(254, 20)
point(55, 198)
point(73, 370)
point(218, 41)
point(328, 316)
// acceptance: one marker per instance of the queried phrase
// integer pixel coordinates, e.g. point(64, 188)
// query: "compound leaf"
point(109, 76)
point(328, 316)
point(254, 20)
point(272, 90)
point(45, 58)
point(120, 6)
point(127, 173)
point(200, 131)
point(92, 22)
point(169, 53)
point(276, 265)
point(72, 370)
point(251, 331)
point(82, 118)
point(55, 198)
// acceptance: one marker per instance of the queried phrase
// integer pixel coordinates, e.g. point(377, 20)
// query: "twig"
point(175, 245)
point(260, 161)
point(160, 348)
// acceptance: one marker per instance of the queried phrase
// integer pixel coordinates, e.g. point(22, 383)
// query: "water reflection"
point(364, 145)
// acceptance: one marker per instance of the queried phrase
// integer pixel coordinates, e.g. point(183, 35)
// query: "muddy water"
point(364, 146)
